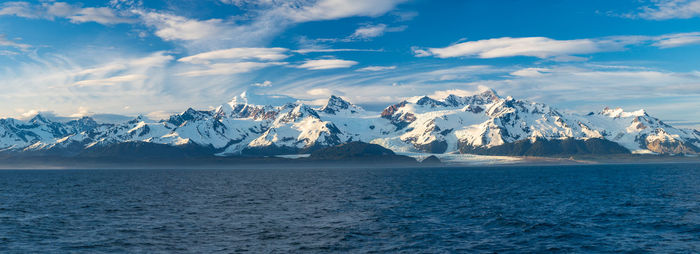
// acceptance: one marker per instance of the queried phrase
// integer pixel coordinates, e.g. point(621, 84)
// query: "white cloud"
point(271, 54)
point(324, 64)
point(102, 15)
point(265, 19)
point(669, 9)
point(172, 27)
point(74, 13)
point(330, 50)
point(229, 68)
point(677, 40)
point(82, 111)
point(325, 92)
point(336, 9)
point(123, 79)
point(266, 83)
point(530, 72)
point(377, 68)
point(155, 60)
point(105, 81)
point(233, 61)
point(8, 43)
point(121, 71)
point(213, 34)
point(558, 50)
point(540, 47)
point(369, 31)
point(19, 9)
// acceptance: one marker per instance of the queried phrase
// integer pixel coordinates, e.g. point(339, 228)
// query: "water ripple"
point(622, 208)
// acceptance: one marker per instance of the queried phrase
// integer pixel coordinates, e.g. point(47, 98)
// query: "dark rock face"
point(389, 111)
point(83, 124)
point(430, 102)
point(145, 150)
point(432, 159)
point(554, 147)
point(437, 146)
point(671, 147)
point(189, 115)
point(398, 120)
point(359, 151)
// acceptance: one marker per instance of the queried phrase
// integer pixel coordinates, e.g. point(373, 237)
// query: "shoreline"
point(53, 163)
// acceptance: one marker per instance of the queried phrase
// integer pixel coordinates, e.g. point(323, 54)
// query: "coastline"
point(57, 163)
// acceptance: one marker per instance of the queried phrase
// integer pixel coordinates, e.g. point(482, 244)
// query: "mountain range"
point(259, 125)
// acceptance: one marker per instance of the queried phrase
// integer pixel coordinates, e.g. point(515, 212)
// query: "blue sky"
point(157, 57)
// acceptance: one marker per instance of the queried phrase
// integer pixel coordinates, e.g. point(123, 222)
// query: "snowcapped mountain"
point(264, 125)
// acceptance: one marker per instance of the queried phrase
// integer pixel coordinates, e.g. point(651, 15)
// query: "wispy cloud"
point(218, 69)
point(335, 9)
point(677, 40)
point(104, 80)
point(233, 61)
point(325, 64)
point(547, 48)
point(271, 54)
point(129, 78)
point(8, 43)
point(265, 19)
point(74, 13)
point(120, 71)
point(330, 50)
point(540, 47)
point(371, 31)
point(266, 83)
point(531, 72)
point(668, 9)
point(377, 68)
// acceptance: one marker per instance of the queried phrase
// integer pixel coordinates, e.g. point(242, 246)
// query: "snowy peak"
point(188, 116)
point(82, 124)
point(270, 124)
point(427, 101)
point(301, 111)
point(488, 96)
point(336, 104)
point(39, 119)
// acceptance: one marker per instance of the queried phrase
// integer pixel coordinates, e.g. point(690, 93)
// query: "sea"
point(490, 209)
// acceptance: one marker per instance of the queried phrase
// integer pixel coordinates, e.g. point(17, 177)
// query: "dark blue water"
point(654, 208)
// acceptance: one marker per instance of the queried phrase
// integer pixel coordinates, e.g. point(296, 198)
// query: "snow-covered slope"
point(262, 125)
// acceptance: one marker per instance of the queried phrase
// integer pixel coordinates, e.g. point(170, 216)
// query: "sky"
point(157, 57)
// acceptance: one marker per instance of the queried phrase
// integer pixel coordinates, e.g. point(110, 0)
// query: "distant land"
point(255, 128)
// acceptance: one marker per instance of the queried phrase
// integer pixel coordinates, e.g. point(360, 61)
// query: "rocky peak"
point(425, 100)
point(489, 94)
point(390, 110)
point(39, 119)
point(138, 119)
point(485, 97)
point(301, 111)
point(84, 123)
point(336, 104)
point(189, 115)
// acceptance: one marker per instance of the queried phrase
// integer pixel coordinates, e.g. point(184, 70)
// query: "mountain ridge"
point(255, 125)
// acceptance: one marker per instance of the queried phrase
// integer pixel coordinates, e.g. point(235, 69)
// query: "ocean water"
point(613, 208)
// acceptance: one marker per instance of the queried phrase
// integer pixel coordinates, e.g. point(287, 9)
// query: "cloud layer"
point(547, 48)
